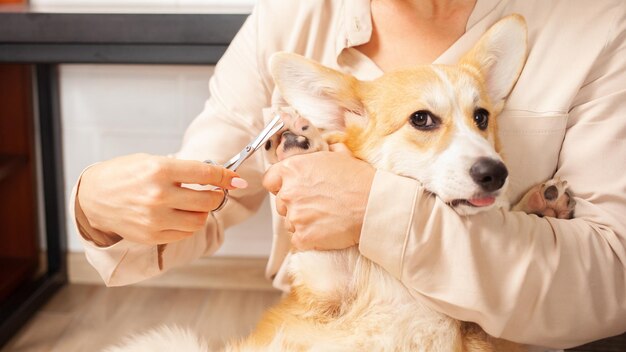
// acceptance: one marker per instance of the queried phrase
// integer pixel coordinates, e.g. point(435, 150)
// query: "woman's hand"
point(323, 197)
point(140, 197)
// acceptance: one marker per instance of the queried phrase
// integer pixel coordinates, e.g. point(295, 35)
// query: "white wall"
point(112, 110)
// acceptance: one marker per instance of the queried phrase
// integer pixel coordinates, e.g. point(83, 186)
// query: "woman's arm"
point(540, 281)
point(232, 116)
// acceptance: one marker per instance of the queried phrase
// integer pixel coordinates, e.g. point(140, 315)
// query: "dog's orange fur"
point(389, 110)
point(299, 309)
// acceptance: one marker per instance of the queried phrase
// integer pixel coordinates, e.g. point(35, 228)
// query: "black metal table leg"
point(52, 164)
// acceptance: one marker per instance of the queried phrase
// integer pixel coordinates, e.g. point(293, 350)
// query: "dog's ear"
point(500, 55)
point(320, 94)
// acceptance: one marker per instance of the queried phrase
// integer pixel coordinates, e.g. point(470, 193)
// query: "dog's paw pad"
point(551, 199)
point(559, 200)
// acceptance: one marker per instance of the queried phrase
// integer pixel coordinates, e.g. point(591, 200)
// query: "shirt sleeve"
point(231, 117)
point(541, 281)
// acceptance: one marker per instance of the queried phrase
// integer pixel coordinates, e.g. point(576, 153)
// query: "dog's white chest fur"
point(377, 313)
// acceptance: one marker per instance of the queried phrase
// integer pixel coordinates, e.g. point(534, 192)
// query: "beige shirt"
point(532, 280)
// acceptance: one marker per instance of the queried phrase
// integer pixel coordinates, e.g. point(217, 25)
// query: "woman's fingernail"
point(238, 182)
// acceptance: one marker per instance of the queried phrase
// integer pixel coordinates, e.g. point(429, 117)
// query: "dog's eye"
point(481, 118)
point(424, 120)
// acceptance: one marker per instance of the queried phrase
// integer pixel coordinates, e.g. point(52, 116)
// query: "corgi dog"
point(433, 123)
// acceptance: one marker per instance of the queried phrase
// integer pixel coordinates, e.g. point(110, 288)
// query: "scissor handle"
point(225, 199)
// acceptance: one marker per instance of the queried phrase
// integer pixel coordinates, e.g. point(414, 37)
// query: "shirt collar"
point(356, 26)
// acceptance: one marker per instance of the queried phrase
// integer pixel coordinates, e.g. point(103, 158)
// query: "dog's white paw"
point(551, 198)
point(299, 136)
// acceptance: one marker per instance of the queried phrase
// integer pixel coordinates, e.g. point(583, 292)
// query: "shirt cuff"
point(107, 257)
point(387, 221)
point(123, 263)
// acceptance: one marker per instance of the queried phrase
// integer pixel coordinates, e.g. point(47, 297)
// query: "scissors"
point(233, 164)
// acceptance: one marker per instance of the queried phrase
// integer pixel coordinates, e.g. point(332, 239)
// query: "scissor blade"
point(271, 132)
point(271, 129)
point(235, 161)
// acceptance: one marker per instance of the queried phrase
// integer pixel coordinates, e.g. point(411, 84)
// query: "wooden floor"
point(91, 317)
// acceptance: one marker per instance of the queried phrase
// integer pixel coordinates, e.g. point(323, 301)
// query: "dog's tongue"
point(482, 202)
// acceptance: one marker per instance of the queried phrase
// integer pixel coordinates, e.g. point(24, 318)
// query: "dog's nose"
point(489, 174)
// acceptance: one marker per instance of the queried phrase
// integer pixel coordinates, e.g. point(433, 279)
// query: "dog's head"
point(433, 123)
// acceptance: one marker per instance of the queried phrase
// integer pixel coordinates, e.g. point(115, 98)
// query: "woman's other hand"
point(140, 197)
point(322, 196)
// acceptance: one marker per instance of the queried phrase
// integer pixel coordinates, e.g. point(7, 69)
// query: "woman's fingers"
point(340, 148)
point(197, 172)
point(196, 200)
point(289, 226)
point(185, 221)
point(273, 179)
point(322, 190)
point(167, 236)
point(281, 207)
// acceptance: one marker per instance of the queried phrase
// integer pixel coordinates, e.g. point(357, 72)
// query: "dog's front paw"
point(298, 136)
point(551, 198)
